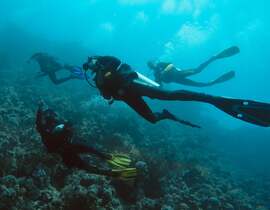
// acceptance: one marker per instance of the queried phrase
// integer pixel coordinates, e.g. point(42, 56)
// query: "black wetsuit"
point(61, 142)
point(159, 68)
point(49, 66)
point(116, 80)
point(175, 75)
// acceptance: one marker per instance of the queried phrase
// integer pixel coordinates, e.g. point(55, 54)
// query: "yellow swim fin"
point(127, 174)
point(119, 161)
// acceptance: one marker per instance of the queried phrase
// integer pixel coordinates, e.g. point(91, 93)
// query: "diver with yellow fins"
point(165, 72)
point(57, 136)
point(118, 81)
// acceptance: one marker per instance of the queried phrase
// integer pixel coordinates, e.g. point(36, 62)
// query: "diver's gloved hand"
point(119, 160)
point(127, 174)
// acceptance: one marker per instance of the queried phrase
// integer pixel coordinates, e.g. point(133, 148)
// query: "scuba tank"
point(145, 80)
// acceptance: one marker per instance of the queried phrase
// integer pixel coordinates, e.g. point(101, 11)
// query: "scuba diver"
point(165, 72)
point(49, 66)
point(117, 81)
point(57, 136)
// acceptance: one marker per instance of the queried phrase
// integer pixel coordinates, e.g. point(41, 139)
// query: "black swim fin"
point(225, 77)
point(254, 112)
point(177, 119)
point(228, 52)
point(187, 123)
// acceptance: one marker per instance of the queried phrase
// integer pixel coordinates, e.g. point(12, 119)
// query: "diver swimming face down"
point(247, 110)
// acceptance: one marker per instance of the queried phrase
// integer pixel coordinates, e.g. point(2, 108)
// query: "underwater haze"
point(225, 165)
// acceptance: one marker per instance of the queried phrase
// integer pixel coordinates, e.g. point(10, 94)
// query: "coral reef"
point(177, 169)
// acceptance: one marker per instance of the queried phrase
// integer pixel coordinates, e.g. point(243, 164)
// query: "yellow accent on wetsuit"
point(168, 68)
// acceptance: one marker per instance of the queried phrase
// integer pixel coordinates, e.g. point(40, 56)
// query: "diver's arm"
point(57, 81)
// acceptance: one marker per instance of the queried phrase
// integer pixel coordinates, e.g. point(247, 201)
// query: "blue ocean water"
point(185, 32)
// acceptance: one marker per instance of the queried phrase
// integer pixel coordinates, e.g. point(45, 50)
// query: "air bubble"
point(239, 115)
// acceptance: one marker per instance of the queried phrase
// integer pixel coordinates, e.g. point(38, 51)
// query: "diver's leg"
point(223, 78)
point(84, 149)
point(231, 51)
point(73, 160)
point(141, 107)
point(172, 95)
point(189, 82)
point(247, 110)
point(57, 81)
point(199, 69)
